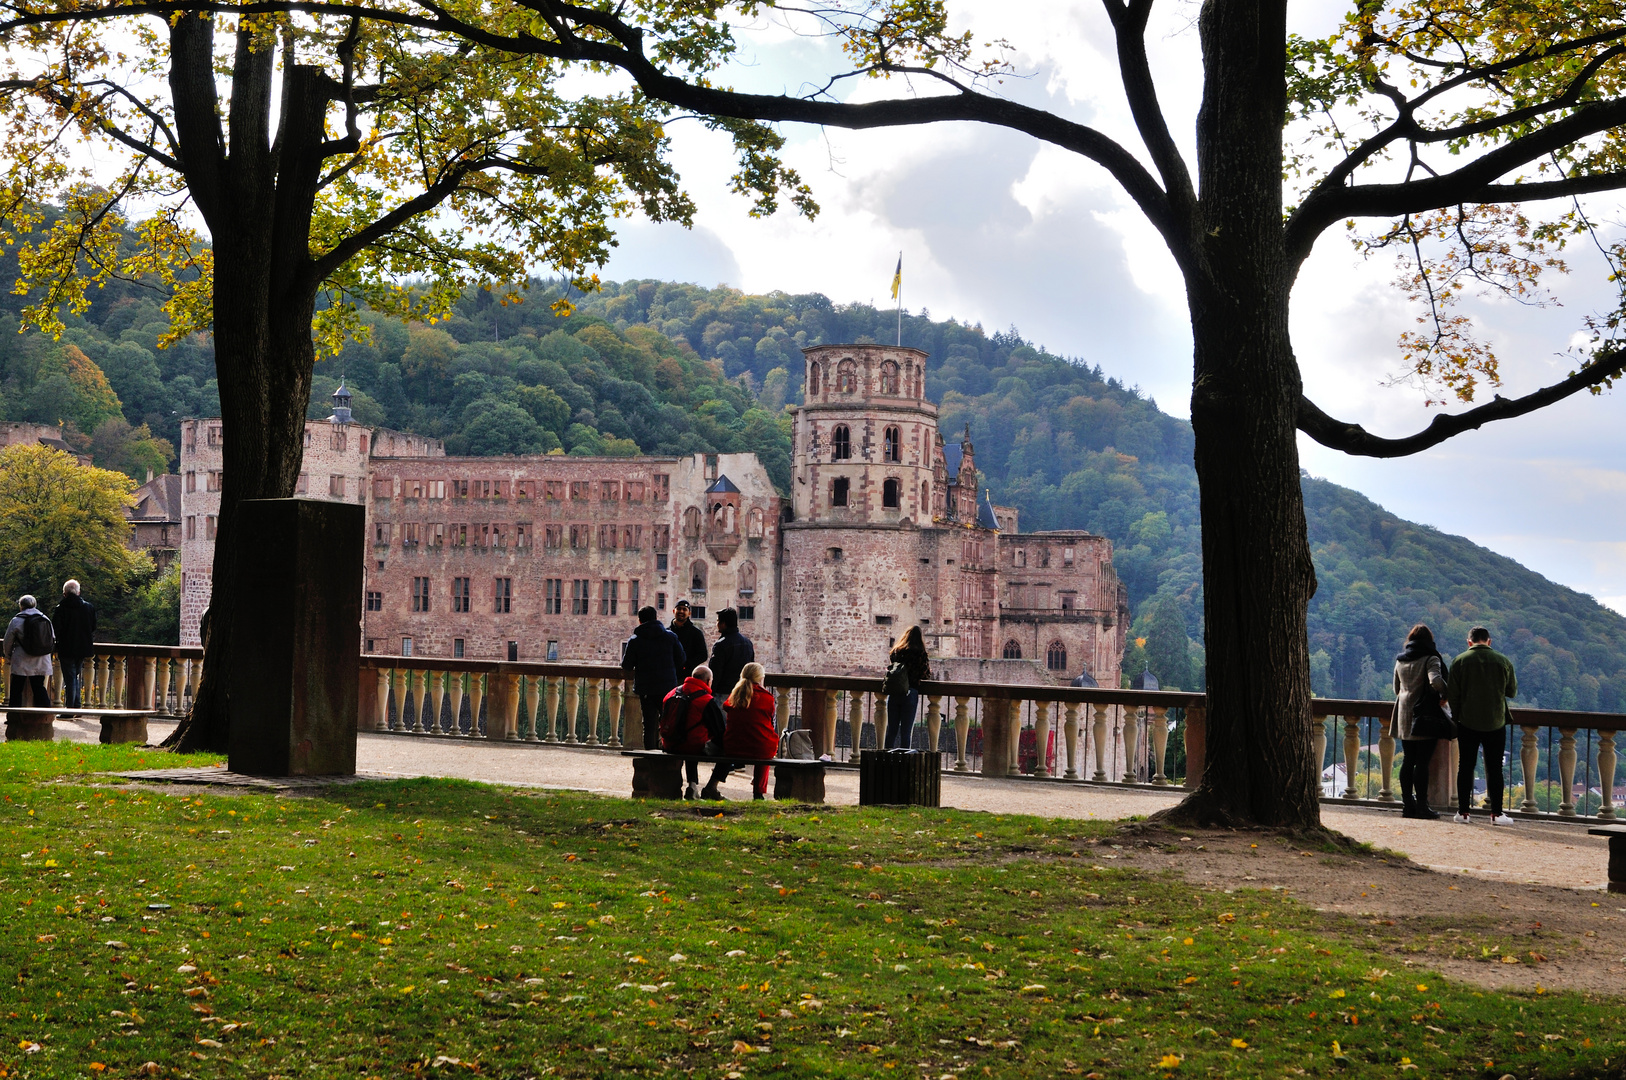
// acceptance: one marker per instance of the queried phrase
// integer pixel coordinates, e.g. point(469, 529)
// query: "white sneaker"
point(1462, 819)
point(692, 792)
point(1501, 819)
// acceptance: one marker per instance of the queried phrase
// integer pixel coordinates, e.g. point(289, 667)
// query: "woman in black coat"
point(900, 708)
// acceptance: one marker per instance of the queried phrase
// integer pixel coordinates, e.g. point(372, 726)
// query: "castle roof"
point(722, 486)
point(952, 456)
point(986, 518)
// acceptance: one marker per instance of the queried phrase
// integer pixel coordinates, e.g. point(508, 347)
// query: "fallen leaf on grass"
point(1169, 1061)
point(743, 1047)
point(212, 1043)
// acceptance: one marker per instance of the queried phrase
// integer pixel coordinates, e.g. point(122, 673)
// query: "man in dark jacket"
point(731, 653)
point(694, 642)
point(1480, 682)
point(655, 657)
point(75, 622)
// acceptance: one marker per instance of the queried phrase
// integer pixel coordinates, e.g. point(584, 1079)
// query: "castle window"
point(889, 378)
point(1055, 657)
point(847, 377)
point(502, 595)
point(460, 594)
point(925, 498)
point(553, 536)
point(1013, 650)
point(662, 537)
point(748, 579)
point(1069, 601)
point(697, 576)
point(420, 597)
point(581, 596)
point(812, 379)
point(754, 524)
point(383, 488)
point(1019, 557)
point(1067, 556)
point(691, 521)
point(841, 443)
point(1044, 556)
point(838, 491)
point(893, 444)
point(609, 597)
point(890, 493)
point(553, 596)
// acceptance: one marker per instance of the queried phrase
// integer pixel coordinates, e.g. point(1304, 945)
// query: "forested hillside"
point(653, 367)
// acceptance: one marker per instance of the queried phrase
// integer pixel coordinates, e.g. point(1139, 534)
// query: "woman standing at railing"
point(908, 659)
point(1419, 684)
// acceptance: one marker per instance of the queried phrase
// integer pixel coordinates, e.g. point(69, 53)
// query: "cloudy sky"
point(999, 229)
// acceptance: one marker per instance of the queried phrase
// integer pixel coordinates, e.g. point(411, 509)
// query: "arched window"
point(1055, 657)
point(891, 492)
point(717, 512)
point(1013, 650)
point(731, 519)
point(847, 377)
point(697, 576)
point(889, 378)
point(925, 498)
point(691, 521)
point(841, 443)
point(838, 491)
point(812, 378)
point(748, 579)
point(893, 444)
point(754, 524)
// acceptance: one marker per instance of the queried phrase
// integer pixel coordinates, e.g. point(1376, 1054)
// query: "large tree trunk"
point(1257, 574)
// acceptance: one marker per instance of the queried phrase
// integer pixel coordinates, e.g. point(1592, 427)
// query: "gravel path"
point(1526, 853)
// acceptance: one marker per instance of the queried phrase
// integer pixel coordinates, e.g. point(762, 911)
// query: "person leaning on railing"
point(1419, 674)
point(908, 658)
point(1481, 681)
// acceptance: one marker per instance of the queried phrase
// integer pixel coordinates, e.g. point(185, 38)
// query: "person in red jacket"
point(749, 732)
point(690, 721)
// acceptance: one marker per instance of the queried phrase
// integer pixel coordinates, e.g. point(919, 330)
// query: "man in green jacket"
point(1480, 682)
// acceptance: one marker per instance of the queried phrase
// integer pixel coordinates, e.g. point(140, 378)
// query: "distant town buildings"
point(155, 519)
point(548, 557)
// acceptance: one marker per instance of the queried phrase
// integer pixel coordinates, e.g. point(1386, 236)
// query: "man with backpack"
point(655, 657)
point(28, 645)
point(75, 624)
point(690, 720)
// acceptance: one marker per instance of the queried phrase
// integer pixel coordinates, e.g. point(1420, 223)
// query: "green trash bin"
point(899, 778)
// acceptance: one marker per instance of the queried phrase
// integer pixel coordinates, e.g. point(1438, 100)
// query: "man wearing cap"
point(694, 642)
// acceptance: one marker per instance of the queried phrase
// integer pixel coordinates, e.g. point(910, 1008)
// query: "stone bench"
point(118, 725)
point(1617, 854)
point(659, 775)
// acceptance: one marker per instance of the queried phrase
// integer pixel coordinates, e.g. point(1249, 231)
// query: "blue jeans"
point(900, 719)
point(73, 677)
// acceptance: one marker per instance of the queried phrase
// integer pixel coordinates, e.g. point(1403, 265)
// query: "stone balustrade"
point(1560, 765)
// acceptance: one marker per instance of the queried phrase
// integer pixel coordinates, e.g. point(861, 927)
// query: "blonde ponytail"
point(750, 677)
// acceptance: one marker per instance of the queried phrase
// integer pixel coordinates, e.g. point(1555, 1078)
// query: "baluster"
point(1160, 743)
point(90, 692)
point(1318, 747)
point(962, 732)
point(477, 694)
point(1131, 744)
point(150, 669)
point(454, 688)
point(1528, 756)
point(417, 688)
point(830, 706)
point(1606, 775)
point(1386, 761)
point(398, 690)
point(572, 700)
point(1070, 731)
point(194, 675)
point(1041, 739)
point(438, 684)
point(934, 720)
point(1566, 770)
point(121, 681)
point(781, 711)
point(593, 686)
point(613, 689)
point(550, 705)
point(1100, 733)
point(161, 686)
point(533, 708)
point(381, 717)
point(855, 719)
point(1352, 750)
point(1013, 737)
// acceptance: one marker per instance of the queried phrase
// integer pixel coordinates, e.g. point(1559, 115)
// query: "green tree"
point(1167, 646)
point(329, 155)
point(61, 520)
point(1493, 105)
point(151, 614)
point(135, 452)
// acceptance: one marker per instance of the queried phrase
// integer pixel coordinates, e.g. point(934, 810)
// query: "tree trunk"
point(1257, 573)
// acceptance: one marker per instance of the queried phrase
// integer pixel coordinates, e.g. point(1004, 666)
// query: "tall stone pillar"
point(296, 638)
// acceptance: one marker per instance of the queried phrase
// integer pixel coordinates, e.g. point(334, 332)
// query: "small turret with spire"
point(341, 405)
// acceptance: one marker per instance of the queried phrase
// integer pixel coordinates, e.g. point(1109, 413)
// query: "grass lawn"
point(446, 928)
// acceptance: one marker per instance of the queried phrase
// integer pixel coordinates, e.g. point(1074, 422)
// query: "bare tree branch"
point(1354, 439)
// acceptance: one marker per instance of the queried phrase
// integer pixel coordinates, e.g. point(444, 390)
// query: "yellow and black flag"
point(897, 277)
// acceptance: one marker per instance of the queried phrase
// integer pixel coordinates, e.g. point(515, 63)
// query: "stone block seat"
point(1617, 854)
point(659, 775)
point(118, 725)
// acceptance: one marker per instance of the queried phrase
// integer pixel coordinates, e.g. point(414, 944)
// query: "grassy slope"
point(384, 928)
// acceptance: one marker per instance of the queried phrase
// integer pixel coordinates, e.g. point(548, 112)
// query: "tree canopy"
point(61, 520)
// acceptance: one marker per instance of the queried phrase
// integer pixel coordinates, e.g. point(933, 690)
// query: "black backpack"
point(37, 638)
point(675, 719)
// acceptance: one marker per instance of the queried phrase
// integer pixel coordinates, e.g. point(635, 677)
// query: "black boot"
point(1423, 811)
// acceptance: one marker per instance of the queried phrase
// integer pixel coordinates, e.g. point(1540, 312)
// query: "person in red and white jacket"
point(749, 732)
point(690, 721)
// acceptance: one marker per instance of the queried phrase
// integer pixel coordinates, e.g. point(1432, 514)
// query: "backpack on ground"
point(897, 680)
point(38, 637)
point(796, 744)
point(675, 720)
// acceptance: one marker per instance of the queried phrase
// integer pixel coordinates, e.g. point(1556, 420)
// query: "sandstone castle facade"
point(548, 557)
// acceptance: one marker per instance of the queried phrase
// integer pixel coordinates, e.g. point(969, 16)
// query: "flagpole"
point(900, 299)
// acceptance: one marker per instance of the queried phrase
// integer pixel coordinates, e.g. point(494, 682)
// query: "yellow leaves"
point(1169, 1061)
point(1227, 917)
